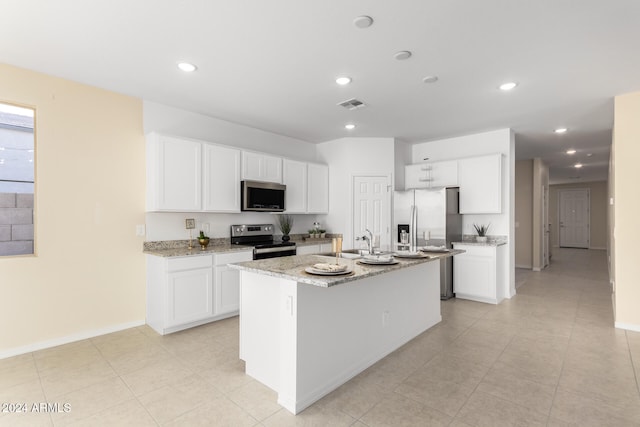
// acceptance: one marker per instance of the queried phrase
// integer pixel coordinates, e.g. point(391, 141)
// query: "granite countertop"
point(293, 267)
point(491, 241)
point(180, 248)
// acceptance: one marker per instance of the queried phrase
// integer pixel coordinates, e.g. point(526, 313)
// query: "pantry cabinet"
point(261, 167)
point(480, 181)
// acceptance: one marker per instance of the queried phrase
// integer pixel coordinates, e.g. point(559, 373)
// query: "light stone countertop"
point(293, 267)
point(180, 248)
point(489, 242)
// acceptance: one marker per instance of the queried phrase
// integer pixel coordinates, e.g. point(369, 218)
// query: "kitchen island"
point(304, 335)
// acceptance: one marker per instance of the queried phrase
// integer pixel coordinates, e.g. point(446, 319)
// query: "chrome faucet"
point(368, 239)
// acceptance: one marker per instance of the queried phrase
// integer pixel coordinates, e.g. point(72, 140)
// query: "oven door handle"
point(277, 249)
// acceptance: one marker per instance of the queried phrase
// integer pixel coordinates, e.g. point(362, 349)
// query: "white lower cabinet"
point(227, 282)
point(183, 292)
point(477, 273)
point(314, 249)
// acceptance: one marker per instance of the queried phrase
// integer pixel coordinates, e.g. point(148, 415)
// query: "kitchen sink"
point(355, 253)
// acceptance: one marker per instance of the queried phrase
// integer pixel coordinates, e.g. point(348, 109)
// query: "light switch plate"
point(140, 230)
point(190, 223)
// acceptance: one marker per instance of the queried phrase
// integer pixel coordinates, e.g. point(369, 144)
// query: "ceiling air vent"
point(351, 104)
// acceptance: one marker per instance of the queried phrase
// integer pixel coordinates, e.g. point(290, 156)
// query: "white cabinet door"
point(317, 188)
point(416, 176)
point(227, 281)
point(221, 174)
point(295, 178)
point(474, 273)
point(261, 167)
point(480, 181)
point(189, 296)
point(174, 174)
point(444, 174)
point(308, 250)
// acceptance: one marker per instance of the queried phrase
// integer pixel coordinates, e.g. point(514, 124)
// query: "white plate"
point(374, 262)
point(410, 255)
point(312, 270)
point(435, 249)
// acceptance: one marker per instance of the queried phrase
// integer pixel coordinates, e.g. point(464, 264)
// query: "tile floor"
point(549, 356)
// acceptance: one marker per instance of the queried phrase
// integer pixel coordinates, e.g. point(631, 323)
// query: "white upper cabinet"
point(295, 178)
point(307, 187)
point(317, 188)
point(480, 181)
point(444, 174)
point(261, 167)
point(416, 176)
point(174, 174)
point(184, 175)
point(221, 178)
point(431, 175)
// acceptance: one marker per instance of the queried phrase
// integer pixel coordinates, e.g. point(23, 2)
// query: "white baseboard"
point(526, 267)
point(537, 269)
point(597, 248)
point(628, 326)
point(16, 351)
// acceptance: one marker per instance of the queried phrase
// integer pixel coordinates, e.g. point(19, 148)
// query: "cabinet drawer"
point(224, 259)
point(189, 263)
point(476, 250)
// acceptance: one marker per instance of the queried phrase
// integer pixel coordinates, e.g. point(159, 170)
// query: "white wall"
point(499, 141)
point(349, 157)
point(174, 121)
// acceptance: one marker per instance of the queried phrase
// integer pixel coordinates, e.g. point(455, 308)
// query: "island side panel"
point(344, 329)
point(262, 311)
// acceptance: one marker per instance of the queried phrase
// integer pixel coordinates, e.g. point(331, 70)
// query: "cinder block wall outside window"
point(16, 223)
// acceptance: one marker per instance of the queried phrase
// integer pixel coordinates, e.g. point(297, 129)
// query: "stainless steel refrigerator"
point(431, 218)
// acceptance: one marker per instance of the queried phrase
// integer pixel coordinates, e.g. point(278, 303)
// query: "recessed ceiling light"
point(589, 154)
point(430, 79)
point(577, 165)
point(187, 67)
point(343, 80)
point(363, 21)
point(561, 130)
point(571, 151)
point(508, 85)
point(349, 126)
point(402, 55)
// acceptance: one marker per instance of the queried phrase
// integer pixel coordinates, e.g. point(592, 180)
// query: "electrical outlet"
point(385, 318)
point(205, 227)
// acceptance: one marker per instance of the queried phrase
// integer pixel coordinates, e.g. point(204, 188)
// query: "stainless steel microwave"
point(260, 196)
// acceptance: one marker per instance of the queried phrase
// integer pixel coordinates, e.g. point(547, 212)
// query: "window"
point(17, 155)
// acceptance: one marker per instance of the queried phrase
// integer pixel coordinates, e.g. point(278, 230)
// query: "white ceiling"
point(272, 64)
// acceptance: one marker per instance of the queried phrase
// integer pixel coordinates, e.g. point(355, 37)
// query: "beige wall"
point(597, 207)
point(524, 213)
point(88, 274)
point(540, 183)
point(627, 205)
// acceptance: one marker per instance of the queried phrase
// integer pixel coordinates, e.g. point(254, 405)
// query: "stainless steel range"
point(260, 236)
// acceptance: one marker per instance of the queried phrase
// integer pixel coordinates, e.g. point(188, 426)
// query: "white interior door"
point(574, 218)
point(371, 208)
point(546, 254)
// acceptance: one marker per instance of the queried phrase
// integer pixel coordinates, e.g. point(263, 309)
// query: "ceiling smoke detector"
point(352, 104)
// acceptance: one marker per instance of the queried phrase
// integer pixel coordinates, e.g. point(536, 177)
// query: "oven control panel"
point(252, 230)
